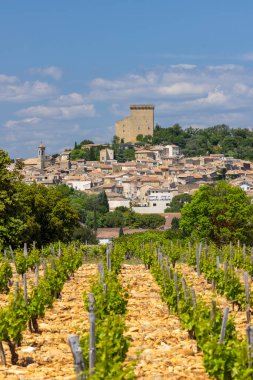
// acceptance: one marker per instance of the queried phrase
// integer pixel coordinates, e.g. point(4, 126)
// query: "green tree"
point(12, 223)
point(121, 231)
point(78, 154)
point(178, 202)
point(175, 223)
point(221, 214)
point(84, 234)
point(48, 214)
point(102, 202)
point(114, 219)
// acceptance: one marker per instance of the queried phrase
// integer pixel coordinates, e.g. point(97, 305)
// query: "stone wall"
point(140, 122)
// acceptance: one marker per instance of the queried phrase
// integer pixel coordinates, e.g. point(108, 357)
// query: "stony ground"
point(162, 349)
point(47, 356)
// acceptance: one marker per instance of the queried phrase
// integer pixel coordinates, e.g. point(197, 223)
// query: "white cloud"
point(248, 56)
point(184, 66)
point(51, 71)
point(13, 90)
point(64, 112)
point(183, 88)
point(225, 67)
point(184, 93)
point(27, 121)
point(73, 98)
point(115, 110)
point(8, 78)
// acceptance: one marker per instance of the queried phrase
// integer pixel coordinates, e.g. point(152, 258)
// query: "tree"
point(114, 219)
point(12, 224)
point(128, 154)
point(220, 214)
point(121, 231)
point(102, 202)
point(175, 223)
point(178, 202)
point(84, 234)
point(48, 214)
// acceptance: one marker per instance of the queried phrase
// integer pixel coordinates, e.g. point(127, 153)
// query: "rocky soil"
point(162, 349)
point(47, 356)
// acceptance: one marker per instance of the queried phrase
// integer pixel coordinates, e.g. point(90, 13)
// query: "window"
point(154, 204)
point(167, 204)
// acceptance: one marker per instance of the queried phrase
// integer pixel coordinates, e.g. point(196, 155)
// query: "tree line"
point(237, 143)
point(219, 139)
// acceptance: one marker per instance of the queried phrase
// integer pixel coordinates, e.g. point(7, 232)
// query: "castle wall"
point(140, 122)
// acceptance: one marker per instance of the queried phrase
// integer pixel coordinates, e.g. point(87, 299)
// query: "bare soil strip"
point(162, 349)
point(48, 353)
point(204, 290)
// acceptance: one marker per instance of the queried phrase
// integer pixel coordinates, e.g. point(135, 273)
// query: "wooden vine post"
point(108, 258)
point(224, 325)
point(176, 288)
point(92, 340)
point(249, 331)
point(185, 289)
point(197, 259)
point(247, 294)
point(2, 354)
point(213, 310)
point(73, 341)
point(24, 279)
point(13, 257)
point(193, 297)
point(37, 274)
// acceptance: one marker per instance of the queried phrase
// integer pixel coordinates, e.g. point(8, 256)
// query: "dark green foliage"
point(88, 154)
point(178, 202)
point(49, 216)
point(12, 214)
point(221, 213)
point(5, 275)
point(135, 220)
point(144, 139)
point(121, 153)
point(102, 202)
point(31, 213)
point(78, 154)
point(175, 223)
point(218, 139)
point(132, 219)
point(84, 234)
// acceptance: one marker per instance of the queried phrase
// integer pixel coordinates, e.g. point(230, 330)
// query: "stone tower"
point(41, 157)
point(140, 122)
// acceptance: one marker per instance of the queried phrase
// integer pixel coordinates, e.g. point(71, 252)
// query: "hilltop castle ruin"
point(140, 122)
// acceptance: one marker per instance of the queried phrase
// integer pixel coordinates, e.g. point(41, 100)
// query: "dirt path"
point(52, 358)
point(165, 350)
point(204, 290)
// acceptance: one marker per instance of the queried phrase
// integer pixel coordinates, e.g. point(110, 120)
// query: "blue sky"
point(70, 69)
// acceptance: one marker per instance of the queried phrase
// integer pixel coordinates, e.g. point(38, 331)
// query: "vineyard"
point(144, 307)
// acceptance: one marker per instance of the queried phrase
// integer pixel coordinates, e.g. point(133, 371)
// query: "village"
point(148, 183)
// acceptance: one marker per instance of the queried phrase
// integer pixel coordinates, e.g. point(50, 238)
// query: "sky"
point(70, 68)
